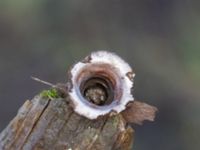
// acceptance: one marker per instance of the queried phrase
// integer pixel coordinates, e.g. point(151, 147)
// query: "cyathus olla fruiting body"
point(101, 84)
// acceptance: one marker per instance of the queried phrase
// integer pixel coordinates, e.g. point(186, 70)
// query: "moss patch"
point(50, 94)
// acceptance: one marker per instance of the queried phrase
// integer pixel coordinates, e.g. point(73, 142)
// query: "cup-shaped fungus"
point(101, 84)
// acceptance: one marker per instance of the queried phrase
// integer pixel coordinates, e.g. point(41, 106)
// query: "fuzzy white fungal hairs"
point(111, 66)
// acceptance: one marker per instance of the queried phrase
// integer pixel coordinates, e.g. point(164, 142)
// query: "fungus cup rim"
point(107, 65)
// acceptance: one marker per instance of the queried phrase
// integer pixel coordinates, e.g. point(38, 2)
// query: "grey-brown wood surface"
point(48, 124)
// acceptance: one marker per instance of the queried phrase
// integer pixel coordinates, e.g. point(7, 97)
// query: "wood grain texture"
point(44, 124)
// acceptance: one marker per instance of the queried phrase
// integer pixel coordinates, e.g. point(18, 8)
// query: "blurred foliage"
point(159, 38)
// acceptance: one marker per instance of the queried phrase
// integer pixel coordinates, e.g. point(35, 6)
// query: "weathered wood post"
point(90, 112)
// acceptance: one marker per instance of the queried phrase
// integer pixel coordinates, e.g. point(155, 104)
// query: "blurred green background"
point(159, 38)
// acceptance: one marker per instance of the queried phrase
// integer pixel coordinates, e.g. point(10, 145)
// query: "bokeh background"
point(159, 38)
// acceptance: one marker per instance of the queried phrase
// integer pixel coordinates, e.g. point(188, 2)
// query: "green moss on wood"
point(50, 94)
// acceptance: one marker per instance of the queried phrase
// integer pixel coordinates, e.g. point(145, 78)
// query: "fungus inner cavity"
point(98, 90)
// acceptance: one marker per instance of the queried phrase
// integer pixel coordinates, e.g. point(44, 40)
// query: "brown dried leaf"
point(137, 112)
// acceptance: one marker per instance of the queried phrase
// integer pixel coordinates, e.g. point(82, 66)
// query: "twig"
point(43, 82)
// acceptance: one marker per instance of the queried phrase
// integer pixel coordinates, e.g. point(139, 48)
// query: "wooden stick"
point(52, 124)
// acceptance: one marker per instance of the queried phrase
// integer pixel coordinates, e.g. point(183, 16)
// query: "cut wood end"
point(137, 112)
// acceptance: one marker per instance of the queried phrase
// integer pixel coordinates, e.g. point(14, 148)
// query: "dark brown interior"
point(98, 90)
